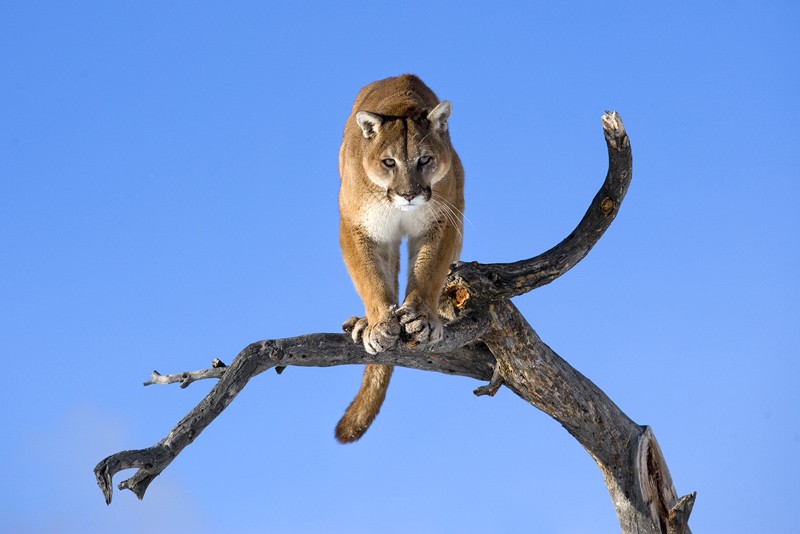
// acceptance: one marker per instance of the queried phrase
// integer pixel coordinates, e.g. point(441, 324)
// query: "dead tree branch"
point(494, 281)
point(486, 338)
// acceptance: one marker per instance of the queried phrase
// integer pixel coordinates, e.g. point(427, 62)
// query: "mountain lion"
point(400, 178)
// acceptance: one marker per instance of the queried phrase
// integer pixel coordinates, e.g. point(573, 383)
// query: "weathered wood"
point(151, 461)
point(678, 518)
point(628, 455)
point(313, 350)
point(494, 281)
point(486, 338)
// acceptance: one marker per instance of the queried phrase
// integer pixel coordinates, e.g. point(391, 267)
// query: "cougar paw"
point(376, 338)
point(355, 327)
point(421, 326)
point(382, 335)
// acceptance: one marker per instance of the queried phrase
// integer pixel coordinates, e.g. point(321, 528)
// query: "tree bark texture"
point(486, 338)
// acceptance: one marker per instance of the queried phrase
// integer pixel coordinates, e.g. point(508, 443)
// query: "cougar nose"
point(408, 196)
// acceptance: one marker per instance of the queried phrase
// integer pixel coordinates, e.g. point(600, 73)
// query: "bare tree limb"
point(185, 378)
point(313, 350)
point(152, 461)
point(486, 338)
point(494, 281)
point(640, 485)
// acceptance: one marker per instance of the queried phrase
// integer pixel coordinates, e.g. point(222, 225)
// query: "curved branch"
point(495, 281)
point(151, 461)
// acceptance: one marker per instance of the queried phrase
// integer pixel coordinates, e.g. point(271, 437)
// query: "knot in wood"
point(606, 206)
point(275, 353)
point(458, 295)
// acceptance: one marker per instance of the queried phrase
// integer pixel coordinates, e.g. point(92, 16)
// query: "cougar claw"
point(378, 338)
point(382, 336)
point(420, 326)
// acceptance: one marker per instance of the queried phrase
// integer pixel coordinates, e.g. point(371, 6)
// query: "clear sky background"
point(168, 182)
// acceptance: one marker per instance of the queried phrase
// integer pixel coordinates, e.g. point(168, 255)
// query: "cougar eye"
point(388, 162)
point(424, 160)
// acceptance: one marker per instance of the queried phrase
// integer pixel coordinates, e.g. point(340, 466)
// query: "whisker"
point(441, 208)
point(455, 210)
point(451, 210)
point(423, 138)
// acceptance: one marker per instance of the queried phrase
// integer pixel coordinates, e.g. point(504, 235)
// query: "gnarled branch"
point(486, 338)
point(495, 281)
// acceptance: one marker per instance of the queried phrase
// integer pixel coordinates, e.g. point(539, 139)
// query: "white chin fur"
point(405, 205)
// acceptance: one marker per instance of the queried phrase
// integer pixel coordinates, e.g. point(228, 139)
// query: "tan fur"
point(400, 179)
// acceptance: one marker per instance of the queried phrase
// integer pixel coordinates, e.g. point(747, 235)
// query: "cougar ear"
point(369, 123)
point(439, 115)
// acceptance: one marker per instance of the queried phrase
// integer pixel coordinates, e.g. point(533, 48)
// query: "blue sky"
point(168, 181)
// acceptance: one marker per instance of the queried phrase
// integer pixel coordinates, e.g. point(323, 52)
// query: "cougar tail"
point(362, 411)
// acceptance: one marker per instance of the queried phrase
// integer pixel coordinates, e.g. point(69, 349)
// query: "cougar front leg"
point(429, 261)
point(373, 268)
